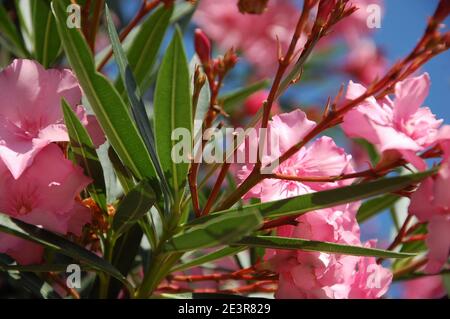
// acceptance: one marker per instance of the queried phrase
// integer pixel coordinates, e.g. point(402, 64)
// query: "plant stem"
point(98, 9)
point(145, 8)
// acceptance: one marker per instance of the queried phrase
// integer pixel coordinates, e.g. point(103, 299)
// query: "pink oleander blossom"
point(319, 159)
point(322, 275)
point(314, 274)
point(365, 62)
point(44, 195)
point(355, 26)
point(429, 287)
point(370, 280)
point(431, 203)
point(401, 125)
point(255, 102)
point(30, 112)
point(255, 35)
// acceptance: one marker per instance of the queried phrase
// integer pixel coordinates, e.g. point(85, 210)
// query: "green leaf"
point(374, 206)
point(220, 231)
point(329, 198)
point(84, 150)
point(9, 31)
point(38, 268)
point(123, 174)
point(133, 207)
point(137, 105)
point(227, 251)
point(110, 109)
point(416, 246)
point(124, 254)
point(231, 100)
point(26, 280)
point(55, 242)
point(143, 50)
point(173, 110)
point(45, 35)
point(446, 280)
point(370, 149)
point(444, 273)
point(312, 245)
point(183, 12)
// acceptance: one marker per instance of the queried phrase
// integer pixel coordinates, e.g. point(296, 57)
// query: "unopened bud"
point(230, 59)
point(202, 46)
point(324, 11)
point(252, 6)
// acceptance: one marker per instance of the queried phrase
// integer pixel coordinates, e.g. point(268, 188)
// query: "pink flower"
point(371, 280)
point(255, 102)
point(44, 195)
point(322, 275)
point(364, 61)
point(401, 125)
point(356, 26)
point(430, 287)
point(431, 203)
point(23, 251)
point(30, 112)
point(313, 274)
point(255, 35)
point(320, 159)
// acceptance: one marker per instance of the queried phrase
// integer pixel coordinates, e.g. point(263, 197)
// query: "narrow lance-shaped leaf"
point(137, 105)
point(133, 207)
point(124, 254)
point(45, 35)
point(220, 231)
point(110, 109)
point(227, 251)
point(173, 111)
point(123, 174)
point(329, 198)
point(8, 29)
point(143, 50)
point(43, 237)
point(312, 245)
point(38, 268)
point(85, 155)
point(26, 280)
point(374, 206)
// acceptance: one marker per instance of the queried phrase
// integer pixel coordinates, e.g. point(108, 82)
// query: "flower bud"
point(252, 6)
point(202, 46)
point(230, 59)
point(324, 11)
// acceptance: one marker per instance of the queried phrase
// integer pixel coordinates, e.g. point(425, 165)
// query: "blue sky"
point(402, 25)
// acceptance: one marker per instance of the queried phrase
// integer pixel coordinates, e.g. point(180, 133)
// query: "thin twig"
point(145, 8)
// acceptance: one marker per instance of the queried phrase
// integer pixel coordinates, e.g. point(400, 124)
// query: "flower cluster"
point(272, 28)
point(315, 274)
point(38, 184)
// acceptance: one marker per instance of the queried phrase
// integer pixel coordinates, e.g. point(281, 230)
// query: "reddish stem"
point(145, 8)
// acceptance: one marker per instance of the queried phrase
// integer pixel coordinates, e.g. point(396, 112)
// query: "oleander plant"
point(203, 149)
